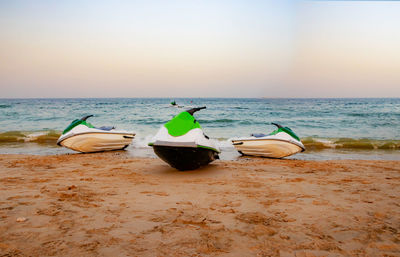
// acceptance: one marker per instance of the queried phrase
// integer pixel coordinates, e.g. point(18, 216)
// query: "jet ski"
point(182, 143)
point(174, 104)
point(83, 137)
point(280, 143)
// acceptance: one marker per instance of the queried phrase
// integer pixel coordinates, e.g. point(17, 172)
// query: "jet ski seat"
point(106, 128)
point(258, 135)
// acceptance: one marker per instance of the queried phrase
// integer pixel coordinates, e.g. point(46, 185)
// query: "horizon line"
point(149, 97)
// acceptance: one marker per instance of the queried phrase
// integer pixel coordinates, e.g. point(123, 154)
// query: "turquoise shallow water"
point(330, 128)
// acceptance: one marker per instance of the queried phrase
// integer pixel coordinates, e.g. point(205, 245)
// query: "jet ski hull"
point(185, 158)
point(97, 142)
point(271, 148)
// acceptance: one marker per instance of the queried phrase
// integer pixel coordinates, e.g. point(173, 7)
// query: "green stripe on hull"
point(287, 130)
point(207, 147)
point(76, 123)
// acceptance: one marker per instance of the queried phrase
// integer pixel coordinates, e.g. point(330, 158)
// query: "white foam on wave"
point(141, 141)
point(33, 136)
point(224, 143)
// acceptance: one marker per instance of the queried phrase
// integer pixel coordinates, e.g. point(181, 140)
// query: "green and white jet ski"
point(182, 143)
point(83, 137)
point(280, 143)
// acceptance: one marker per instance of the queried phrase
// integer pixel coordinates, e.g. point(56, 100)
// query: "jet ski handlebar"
point(193, 110)
point(86, 117)
point(276, 124)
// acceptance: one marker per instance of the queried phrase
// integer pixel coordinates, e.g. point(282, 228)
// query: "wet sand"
point(110, 204)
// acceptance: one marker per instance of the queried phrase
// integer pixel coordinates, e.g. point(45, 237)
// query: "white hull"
point(194, 138)
point(97, 141)
point(271, 148)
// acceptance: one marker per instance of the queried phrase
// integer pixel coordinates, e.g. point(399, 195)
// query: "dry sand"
point(109, 204)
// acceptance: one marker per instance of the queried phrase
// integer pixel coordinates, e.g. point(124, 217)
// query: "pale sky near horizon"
point(196, 48)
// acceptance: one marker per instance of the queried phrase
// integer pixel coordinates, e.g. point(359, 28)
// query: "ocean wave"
point(313, 143)
point(350, 143)
point(217, 121)
point(148, 122)
point(50, 137)
point(12, 136)
point(110, 103)
point(40, 137)
point(240, 108)
point(229, 122)
point(141, 141)
point(3, 106)
point(373, 114)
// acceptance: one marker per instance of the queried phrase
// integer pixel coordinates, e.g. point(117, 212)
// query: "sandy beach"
point(110, 204)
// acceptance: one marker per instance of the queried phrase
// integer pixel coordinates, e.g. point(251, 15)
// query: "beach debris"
point(21, 219)
point(71, 187)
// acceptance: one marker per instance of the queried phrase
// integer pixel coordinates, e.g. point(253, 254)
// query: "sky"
point(181, 48)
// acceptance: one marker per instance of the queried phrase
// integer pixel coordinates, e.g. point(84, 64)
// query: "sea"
point(330, 128)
